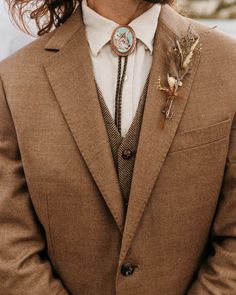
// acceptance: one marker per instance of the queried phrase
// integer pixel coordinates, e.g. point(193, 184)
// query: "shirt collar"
point(99, 29)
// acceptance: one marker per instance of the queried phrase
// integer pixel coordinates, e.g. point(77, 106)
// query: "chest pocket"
point(200, 136)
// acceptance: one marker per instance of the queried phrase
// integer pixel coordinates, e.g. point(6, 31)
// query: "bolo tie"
point(123, 42)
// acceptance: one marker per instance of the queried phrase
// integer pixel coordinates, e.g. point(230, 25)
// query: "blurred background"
point(212, 12)
point(11, 38)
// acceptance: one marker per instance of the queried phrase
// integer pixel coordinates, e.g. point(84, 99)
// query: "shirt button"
point(127, 154)
point(127, 269)
point(126, 203)
point(126, 78)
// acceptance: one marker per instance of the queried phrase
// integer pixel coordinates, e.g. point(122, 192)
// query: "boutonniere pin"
point(179, 57)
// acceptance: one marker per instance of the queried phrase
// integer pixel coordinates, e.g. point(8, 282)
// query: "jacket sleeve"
point(217, 275)
point(24, 267)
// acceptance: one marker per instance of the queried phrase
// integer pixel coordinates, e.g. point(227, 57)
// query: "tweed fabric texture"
point(119, 143)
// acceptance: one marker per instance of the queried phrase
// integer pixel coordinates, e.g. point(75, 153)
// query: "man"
point(114, 180)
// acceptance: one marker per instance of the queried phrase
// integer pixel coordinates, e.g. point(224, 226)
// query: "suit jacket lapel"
point(71, 77)
point(154, 142)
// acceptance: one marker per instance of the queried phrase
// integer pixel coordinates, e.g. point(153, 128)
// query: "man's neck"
point(120, 11)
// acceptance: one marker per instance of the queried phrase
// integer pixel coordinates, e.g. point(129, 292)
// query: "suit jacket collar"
point(70, 74)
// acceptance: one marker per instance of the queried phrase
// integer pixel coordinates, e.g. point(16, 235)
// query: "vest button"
point(127, 154)
point(127, 269)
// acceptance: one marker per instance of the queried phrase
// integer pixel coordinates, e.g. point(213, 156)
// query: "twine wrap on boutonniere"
point(179, 57)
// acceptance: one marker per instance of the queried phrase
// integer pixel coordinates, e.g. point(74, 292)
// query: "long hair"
point(47, 14)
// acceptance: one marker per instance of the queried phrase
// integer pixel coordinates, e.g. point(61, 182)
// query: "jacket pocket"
point(201, 136)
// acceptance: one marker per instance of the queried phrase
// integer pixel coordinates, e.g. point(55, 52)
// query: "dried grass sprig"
point(179, 59)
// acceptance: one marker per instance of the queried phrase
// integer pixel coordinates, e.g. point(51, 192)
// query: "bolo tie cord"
point(123, 42)
point(119, 90)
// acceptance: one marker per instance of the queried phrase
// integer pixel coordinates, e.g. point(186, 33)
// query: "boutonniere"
point(179, 57)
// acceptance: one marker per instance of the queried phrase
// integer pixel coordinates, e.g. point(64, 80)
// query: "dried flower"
point(178, 59)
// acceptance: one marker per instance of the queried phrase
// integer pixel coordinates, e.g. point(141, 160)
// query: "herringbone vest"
point(124, 148)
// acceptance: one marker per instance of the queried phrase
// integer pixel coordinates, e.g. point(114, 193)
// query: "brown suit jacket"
point(62, 221)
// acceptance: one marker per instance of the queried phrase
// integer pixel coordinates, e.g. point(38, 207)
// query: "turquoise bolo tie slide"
point(123, 40)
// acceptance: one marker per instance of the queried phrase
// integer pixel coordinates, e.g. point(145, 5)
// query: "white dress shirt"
point(105, 63)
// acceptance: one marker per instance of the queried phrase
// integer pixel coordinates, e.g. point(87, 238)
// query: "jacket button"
point(127, 154)
point(127, 269)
